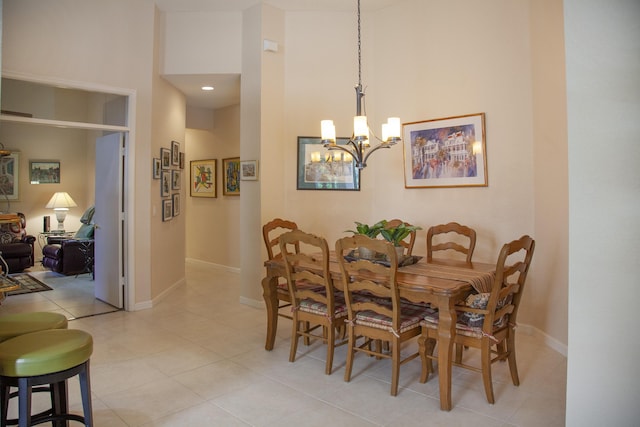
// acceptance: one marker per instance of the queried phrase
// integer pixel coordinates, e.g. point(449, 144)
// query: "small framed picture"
point(231, 176)
point(165, 184)
point(156, 168)
point(167, 210)
point(176, 178)
point(176, 204)
point(44, 172)
point(249, 170)
point(181, 160)
point(165, 158)
point(175, 153)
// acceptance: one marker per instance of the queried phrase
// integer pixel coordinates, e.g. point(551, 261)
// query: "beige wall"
point(416, 73)
point(213, 223)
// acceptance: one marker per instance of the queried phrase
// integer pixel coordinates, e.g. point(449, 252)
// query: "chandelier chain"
point(359, 50)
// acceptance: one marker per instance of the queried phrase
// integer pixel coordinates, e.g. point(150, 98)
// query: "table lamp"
point(61, 202)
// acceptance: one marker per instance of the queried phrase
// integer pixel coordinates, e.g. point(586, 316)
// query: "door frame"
point(130, 130)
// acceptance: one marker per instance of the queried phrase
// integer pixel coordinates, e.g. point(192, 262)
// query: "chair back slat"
point(309, 266)
point(369, 278)
point(458, 231)
point(271, 232)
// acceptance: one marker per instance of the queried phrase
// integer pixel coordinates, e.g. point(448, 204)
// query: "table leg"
point(270, 295)
point(446, 331)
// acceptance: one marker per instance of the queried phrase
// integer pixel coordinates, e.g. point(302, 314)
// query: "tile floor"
point(198, 359)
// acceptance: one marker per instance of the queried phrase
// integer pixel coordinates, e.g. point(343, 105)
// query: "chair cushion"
point(13, 325)
point(410, 317)
point(311, 306)
point(470, 324)
point(87, 216)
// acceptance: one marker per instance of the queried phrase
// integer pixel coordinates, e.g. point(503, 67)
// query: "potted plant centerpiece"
point(397, 234)
point(371, 231)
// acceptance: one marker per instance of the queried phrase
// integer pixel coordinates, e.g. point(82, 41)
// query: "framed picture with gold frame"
point(231, 176)
point(449, 152)
point(203, 178)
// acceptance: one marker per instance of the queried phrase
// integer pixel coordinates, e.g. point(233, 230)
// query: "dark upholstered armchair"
point(16, 246)
point(72, 255)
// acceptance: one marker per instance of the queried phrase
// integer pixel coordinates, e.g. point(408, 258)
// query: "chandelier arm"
point(354, 153)
point(373, 150)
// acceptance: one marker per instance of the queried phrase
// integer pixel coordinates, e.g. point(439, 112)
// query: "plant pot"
point(366, 253)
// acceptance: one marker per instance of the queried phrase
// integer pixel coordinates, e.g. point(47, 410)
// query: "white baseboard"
point(546, 339)
point(213, 265)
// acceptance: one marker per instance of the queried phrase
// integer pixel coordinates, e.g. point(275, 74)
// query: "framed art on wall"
point(156, 168)
point(165, 158)
point(165, 184)
point(167, 210)
point(175, 153)
point(176, 178)
point(203, 178)
point(249, 170)
point(44, 172)
point(322, 169)
point(176, 204)
point(449, 152)
point(9, 168)
point(231, 176)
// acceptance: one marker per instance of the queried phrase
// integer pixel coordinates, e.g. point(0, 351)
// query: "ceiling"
point(227, 86)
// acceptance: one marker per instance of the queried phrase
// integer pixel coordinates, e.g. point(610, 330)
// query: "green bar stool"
point(46, 357)
point(13, 325)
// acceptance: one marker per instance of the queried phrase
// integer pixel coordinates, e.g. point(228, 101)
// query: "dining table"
point(440, 282)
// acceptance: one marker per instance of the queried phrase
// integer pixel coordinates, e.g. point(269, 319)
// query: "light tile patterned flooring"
point(198, 359)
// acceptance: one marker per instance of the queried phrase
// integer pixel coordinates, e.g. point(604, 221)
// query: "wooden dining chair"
point(454, 233)
point(316, 304)
point(409, 241)
point(271, 232)
point(382, 316)
point(487, 319)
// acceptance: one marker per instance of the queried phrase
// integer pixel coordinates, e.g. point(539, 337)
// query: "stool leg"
point(24, 402)
point(85, 391)
point(4, 404)
point(59, 402)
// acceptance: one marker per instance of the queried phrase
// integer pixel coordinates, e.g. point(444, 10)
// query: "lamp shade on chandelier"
point(359, 147)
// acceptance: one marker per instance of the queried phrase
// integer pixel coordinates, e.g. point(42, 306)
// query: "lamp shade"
point(61, 200)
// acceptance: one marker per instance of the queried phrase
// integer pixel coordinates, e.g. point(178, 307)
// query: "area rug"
point(28, 284)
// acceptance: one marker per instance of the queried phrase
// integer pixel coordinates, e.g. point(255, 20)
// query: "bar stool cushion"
point(13, 325)
point(44, 352)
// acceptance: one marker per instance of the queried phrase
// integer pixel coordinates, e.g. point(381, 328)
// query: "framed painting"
point(44, 172)
point(175, 153)
point(449, 152)
point(181, 160)
point(165, 158)
point(165, 184)
point(249, 170)
point(231, 176)
point(156, 168)
point(176, 178)
point(167, 210)
point(9, 168)
point(322, 169)
point(203, 178)
point(175, 199)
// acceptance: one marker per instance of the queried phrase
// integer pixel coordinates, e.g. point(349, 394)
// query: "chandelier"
point(358, 146)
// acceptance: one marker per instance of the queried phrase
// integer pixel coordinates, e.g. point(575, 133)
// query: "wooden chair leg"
point(294, 339)
point(459, 349)
point(331, 342)
point(351, 344)
point(486, 369)
point(395, 366)
point(513, 367)
point(422, 348)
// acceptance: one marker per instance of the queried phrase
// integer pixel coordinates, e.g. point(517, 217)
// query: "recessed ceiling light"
point(207, 87)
